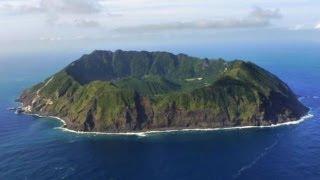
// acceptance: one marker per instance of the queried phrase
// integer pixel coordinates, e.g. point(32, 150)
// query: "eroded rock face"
point(136, 91)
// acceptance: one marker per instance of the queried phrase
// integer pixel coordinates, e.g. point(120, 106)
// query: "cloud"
point(57, 12)
point(317, 26)
point(86, 23)
point(71, 6)
point(50, 38)
point(260, 13)
point(59, 38)
point(258, 17)
point(297, 27)
point(54, 6)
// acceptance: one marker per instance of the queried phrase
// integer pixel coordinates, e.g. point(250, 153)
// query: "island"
point(135, 91)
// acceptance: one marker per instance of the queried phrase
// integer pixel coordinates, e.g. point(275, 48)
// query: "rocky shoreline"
point(64, 127)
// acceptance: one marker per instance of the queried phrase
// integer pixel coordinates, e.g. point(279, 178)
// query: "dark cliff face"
point(135, 91)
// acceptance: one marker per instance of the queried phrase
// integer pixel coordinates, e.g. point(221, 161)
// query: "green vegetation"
point(130, 90)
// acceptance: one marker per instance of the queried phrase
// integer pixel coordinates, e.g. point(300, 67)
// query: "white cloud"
point(86, 23)
point(50, 38)
point(59, 38)
point(53, 6)
point(297, 27)
point(57, 11)
point(258, 17)
point(175, 20)
point(317, 26)
point(265, 13)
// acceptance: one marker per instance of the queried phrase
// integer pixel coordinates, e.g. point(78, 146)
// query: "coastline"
point(145, 133)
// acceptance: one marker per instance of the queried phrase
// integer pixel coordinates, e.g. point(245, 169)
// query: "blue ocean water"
point(35, 148)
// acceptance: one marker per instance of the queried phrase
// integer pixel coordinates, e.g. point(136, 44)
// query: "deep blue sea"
point(35, 148)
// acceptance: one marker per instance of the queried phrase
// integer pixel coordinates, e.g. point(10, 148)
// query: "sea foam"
point(145, 133)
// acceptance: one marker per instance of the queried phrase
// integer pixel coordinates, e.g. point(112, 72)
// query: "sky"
point(29, 26)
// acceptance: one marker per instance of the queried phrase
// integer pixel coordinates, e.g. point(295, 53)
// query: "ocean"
point(38, 148)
